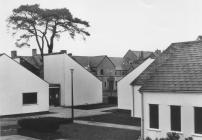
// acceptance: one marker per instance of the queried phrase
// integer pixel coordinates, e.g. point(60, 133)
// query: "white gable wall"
point(187, 101)
point(124, 91)
point(15, 80)
point(87, 88)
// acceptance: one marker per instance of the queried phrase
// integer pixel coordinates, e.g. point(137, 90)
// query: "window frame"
point(171, 128)
point(150, 124)
point(198, 133)
point(33, 103)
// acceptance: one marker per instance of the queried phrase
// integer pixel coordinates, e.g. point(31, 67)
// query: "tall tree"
point(44, 25)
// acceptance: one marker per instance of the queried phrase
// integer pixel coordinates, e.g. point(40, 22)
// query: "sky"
point(116, 25)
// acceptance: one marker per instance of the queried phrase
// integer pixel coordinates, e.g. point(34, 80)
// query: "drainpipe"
point(133, 95)
point(142, 118)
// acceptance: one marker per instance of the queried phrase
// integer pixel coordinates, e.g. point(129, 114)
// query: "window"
point(198, 120)
point(101, 72)
point(105, 84)
point(29, 98)
point(154, 116)
point(175, 116)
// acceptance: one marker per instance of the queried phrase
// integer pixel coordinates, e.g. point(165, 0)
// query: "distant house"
point(21, 91)
point(87, 87)
point(126, 99)
point(132, 57)
point(108, 69)
point(171, 92)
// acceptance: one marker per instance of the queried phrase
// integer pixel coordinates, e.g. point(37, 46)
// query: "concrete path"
point(108, 125)
point(16, 137)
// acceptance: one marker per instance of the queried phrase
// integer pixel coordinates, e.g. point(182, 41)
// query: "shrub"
point(173, 136)
point(112, 100)
point(148, 138)
point(48, 124)
point(189, 138)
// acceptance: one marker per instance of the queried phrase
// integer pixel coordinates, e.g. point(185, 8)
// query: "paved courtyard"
point(63, 112)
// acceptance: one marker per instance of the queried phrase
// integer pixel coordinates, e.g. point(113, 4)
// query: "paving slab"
point(16, 137)
point(108, 125)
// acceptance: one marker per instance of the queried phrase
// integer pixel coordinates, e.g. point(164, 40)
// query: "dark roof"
point(146, 54)
point(177, 69)
point(118, 63)
point(89, 61)
point(33, 60)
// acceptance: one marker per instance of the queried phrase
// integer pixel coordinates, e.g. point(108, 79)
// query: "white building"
point(125, 92)
point(172, 93)
point(20, 90)
point(87, 88)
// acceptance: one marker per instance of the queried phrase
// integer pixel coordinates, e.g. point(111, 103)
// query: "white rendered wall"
point(187, 101)
point(15, 80)
point(137, 103)
point(124, 91)
point(87, 88)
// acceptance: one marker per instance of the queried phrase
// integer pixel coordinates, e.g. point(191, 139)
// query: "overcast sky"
point(117, 25)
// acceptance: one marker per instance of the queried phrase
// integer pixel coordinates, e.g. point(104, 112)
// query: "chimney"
point(70, 54)
point(34, 52)
point(63, 51)
point(13, 54)
point(158, 51)
point(141, 55)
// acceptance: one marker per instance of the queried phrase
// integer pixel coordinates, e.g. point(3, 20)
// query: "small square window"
point(29, 98)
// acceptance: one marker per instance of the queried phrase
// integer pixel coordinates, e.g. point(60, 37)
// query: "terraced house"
point(57, 72)
point(171, 92)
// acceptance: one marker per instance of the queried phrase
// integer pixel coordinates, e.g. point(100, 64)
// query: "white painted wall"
point(137, 103)
point(187, 101)
point(15, 80)
point(87, 88)
point(124, 91)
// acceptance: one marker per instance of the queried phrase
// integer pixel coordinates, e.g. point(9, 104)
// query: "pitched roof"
point(178, 69)
point(146, 54)
point(92, 61)
point(33, 60)
point(118, 63)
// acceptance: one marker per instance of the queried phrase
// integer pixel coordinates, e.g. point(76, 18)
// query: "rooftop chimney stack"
point(141, 55)
point(70, 54)
point(13, 54)
point(63, 51)
point(34, 52)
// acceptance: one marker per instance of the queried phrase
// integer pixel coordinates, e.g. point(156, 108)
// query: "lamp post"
point(72, 93)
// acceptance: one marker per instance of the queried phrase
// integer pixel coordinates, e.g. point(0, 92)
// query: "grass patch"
point(47, 124)
point(115, 116)
point(85, 132)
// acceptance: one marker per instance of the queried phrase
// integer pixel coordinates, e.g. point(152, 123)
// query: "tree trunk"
point(50, 50)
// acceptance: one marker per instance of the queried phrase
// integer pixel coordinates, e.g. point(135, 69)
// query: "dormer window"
point(101, 72)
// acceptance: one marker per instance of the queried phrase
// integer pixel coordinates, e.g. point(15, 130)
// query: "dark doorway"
point(54, 95)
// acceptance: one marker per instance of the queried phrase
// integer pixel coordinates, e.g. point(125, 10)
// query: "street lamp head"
point(71, 69)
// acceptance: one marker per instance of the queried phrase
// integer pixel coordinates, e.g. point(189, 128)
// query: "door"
point(54, 96)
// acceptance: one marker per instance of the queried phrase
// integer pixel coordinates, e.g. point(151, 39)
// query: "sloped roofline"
point(108, 59)
point(133, 69)
point(24, 67)
point(82, 66)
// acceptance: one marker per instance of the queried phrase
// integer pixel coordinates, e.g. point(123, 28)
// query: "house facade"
point(86, 87)
point(126, 97)
point(172, 93)
point(21, 90)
